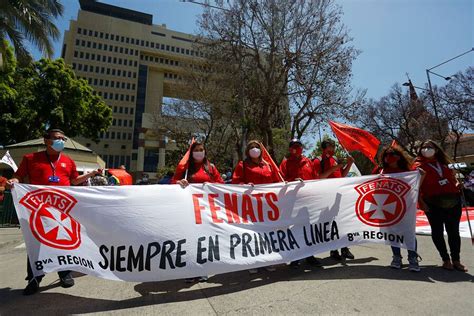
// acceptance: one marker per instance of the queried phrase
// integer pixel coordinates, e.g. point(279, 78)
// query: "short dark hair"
point(327, 142)
point(52, 130)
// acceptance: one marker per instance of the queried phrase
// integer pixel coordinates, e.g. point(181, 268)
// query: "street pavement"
point(364, 286)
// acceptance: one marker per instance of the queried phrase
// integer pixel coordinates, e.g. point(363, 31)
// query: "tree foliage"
point(48, 94)
point(29, 20)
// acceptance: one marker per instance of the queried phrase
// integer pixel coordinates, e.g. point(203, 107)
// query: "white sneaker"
point(396, 262)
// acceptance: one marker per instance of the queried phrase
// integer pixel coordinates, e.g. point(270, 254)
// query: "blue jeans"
point(411, 254)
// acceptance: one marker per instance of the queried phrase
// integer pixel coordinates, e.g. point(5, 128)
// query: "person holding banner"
point(440, 198)
point(327, 166)
point(297, 167)
point(49, 167)
point(257, 168)
point(199, 170)
point(395, 160)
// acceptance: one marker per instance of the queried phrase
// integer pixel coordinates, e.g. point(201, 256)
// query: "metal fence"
point(8, 216)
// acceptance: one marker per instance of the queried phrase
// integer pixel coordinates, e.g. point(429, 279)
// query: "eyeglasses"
point(63, 138)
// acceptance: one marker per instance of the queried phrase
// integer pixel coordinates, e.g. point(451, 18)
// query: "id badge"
point(443, 182)
point(53, 179)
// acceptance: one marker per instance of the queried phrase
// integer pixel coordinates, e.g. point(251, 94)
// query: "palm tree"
point(29, 20)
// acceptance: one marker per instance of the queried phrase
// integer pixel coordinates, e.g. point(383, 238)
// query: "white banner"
point(163, 232)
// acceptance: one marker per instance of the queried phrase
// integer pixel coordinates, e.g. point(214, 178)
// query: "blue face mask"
point(58, 145)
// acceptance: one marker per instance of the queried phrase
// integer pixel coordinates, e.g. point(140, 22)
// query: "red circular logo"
point(50, 221)
point(381, 202)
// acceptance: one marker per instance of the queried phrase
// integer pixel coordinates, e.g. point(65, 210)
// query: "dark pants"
point(441, 219)
point(412, 255)
point(30, 275)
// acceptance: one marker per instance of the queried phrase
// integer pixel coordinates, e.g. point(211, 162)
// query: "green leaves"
point(47, 93)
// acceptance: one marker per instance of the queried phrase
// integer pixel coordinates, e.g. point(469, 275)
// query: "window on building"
point(79, 30)
point(89, 44)
point(86, 67)
point(92, 56)
point(73, 65)
point(122, 97)
point(119, 122)
point(119, 72)
point(106, 36)
point(112, 36)
point(75, 53)
point(111, 48)
point(90, 32)
point(112, 135)
point(119, 135)
point(105, 46)
point(87, 55)
point(122, 39)
point(129, 137)
point(109, 59)
point(102, 70)
point(81, 55)
point(116, 49)
point(101, 34)
point(131, 109)
point(94, 45)
point(95, 81)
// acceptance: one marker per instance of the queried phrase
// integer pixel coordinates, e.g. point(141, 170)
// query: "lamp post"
point(428, 71)
point(241, 77)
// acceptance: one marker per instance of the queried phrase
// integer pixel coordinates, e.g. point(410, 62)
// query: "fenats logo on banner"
point(50, 221)
point(381, 202)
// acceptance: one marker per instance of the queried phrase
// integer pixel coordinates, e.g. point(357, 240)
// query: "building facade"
point(133, 65)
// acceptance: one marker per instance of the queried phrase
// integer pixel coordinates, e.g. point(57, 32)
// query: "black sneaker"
point(295, 264)
point(335, 255)
point(66, 280)
point(312, 261)
point(346, 253)
point(32, 287)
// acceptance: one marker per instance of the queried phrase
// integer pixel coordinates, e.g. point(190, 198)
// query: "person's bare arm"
point(84, 177)
point(346, 169)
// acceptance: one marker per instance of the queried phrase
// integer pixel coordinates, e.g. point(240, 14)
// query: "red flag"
point(184, 162)
point(353, 138)
point(266, 157)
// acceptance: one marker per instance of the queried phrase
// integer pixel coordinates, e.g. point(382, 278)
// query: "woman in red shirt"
point(395, 160)
point(441, 200)
point(255, 170)
point(200, 170)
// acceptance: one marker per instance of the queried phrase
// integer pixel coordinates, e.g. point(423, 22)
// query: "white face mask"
point(199, 155)
point(428, 152)
point(254, 152)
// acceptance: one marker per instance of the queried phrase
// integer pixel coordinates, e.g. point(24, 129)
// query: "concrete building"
point(133, 65)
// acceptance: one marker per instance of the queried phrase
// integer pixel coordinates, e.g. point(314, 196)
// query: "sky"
point(395, 36)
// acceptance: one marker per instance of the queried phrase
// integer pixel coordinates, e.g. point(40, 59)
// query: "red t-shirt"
point(327, 163)
point(431, 185)
point(293, 168)
point(254, 173)
point(201, 176)
point(37, 167)
point(3, 183)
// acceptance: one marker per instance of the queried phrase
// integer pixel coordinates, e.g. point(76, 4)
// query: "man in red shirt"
point(327, 166)
point(49, 167)
point(298, 168)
